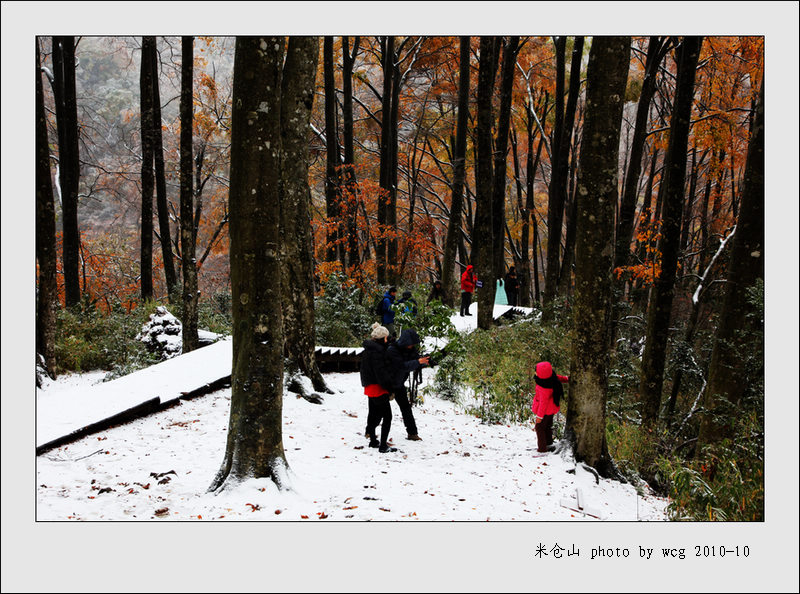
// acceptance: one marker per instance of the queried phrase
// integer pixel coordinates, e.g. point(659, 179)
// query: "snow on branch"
point(701, 284)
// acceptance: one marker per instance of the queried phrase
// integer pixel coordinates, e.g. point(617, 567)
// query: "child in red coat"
point(546, 403)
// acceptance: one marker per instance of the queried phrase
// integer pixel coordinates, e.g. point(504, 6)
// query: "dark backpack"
point(378, 307)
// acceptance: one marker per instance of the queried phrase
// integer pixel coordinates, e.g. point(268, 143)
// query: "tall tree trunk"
point(387, 48)
point(567, 165)
point(530, 204)
point(500, 157)
point(391, 210)
point(69, 164)
point(449, 280)
point(482, 239)
point(47, 288)
point(671, 194)
point(728, 378)
point(188, 260)
point(555, 206)
point(527, 214)
point(297, 98)
point(161, 183)
point(627, 210)
point(332, 158)
point(148, 177)
point(353, 198)
point(597, 196)
point(254, 446)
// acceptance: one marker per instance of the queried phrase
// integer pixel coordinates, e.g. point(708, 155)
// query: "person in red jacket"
point(467, 289)
point(546, 403)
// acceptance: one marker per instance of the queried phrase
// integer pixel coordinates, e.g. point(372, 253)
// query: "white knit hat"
point(379, 331)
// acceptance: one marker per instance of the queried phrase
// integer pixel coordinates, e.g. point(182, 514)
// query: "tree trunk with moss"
point(597, 196)
point(254, 447)
point(297, 98)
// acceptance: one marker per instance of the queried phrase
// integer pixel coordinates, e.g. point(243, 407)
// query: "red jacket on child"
point(543, 398)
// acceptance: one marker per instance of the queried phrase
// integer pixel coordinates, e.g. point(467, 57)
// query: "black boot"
point(385, 448)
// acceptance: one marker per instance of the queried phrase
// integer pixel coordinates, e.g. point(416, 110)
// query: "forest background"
point(780, 161)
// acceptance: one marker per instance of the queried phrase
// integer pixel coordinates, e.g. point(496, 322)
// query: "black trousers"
point(511, 296)
point(379, 412)
point(466, 301)
point(401, 398)
point(544, 433)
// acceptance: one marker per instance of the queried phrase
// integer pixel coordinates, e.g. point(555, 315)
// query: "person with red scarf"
point(546, 403)
point(377, 378)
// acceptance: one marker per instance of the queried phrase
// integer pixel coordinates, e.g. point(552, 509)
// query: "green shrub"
point(215, 313)
point(343, 314)
point(725, 482)
point(498, 365)
point(635, 451)
point(87, 339)
point(448, 381)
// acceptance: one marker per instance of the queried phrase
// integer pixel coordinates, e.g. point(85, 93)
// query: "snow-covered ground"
point(159, 467)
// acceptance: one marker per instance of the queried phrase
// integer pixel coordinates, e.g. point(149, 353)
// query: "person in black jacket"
point(437, 292)
point(404, 358)
point(512, 286)
point(377, 378)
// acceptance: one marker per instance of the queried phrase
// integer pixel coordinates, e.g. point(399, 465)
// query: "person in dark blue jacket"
point(403, 356)
point(387, 313)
